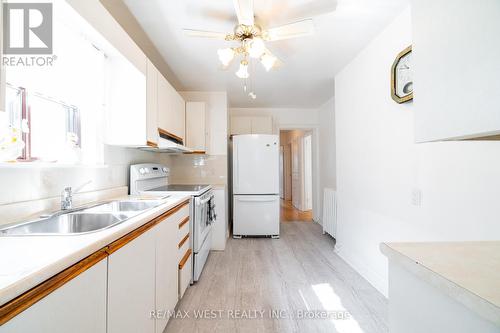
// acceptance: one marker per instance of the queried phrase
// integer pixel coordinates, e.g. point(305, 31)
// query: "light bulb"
point(257, 47)
point(268, 61)
point(242, 72)
point(226, 56)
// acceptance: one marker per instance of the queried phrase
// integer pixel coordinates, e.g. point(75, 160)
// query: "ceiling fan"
point(252, 39)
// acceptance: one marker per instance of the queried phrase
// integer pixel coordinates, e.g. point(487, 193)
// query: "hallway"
point(288, 213)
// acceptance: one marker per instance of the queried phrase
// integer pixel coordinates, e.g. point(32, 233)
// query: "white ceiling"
point(310, 63)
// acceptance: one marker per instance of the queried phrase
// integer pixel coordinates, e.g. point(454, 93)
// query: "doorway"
point(296, 175)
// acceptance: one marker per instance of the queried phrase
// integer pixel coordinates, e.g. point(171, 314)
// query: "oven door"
point(202, 221)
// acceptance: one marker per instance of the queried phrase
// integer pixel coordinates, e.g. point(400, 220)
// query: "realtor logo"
point(27, 28)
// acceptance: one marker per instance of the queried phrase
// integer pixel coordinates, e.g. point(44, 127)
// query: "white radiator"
point(330, 212)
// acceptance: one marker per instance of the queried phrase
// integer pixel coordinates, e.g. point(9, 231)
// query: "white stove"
point(152, 179)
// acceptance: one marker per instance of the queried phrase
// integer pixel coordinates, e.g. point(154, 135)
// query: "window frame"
point(72, 121)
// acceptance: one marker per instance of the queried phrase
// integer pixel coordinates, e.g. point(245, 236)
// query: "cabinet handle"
point(183, 241)
point(183, 222)
point(184, 259)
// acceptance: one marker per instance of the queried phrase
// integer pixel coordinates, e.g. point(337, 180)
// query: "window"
point(60, 108)
point(49, 127)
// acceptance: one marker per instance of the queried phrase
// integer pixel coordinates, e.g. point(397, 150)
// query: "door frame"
point(315, 163)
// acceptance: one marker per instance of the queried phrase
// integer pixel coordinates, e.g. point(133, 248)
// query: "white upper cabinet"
point(251, 125)
point(456, 52)
point(262, 125)
point(196, 134)
point(171, 110)
point(126, 107)
point(152, 104)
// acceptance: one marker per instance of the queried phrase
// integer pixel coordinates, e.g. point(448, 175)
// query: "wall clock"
point(402, 77)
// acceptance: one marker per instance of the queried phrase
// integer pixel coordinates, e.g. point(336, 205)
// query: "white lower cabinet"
point(131, 286)
point(166, 271)
point(79, 306)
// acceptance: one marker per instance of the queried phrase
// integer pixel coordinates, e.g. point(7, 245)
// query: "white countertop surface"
point(467, 271)
point(26, 261)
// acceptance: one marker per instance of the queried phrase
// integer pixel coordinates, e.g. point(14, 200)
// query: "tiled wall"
point(200, 169)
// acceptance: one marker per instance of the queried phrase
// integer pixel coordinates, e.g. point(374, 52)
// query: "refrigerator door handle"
point(273, 198)
point(236, 172)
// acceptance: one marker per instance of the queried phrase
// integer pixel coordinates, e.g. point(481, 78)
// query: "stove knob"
point(146, 170)
point(164, 170)
point(142, 171)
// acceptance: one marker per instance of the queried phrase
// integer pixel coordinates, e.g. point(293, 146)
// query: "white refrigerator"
point(256, 201)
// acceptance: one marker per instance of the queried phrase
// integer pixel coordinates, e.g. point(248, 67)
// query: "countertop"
point(467, 271)
point(26, 261)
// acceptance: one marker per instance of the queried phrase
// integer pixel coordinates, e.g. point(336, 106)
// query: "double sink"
point(81, 220)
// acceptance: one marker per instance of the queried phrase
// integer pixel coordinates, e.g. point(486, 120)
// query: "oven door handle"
point(204, 201)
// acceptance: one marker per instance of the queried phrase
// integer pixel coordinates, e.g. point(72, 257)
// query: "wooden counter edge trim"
point(124, 240)
point(183, 222)
point(20, 303)
point(184, 259)
point(17, 305)
point(151, 144)
point(183, 241)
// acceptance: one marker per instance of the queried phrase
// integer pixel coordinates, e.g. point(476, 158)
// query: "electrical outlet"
point(416, 197)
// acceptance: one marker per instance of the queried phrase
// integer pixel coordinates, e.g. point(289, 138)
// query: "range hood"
point(168, 143)
point(169, 146)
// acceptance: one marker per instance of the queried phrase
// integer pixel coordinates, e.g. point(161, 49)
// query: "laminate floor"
point(298, 276)
point(288, 213)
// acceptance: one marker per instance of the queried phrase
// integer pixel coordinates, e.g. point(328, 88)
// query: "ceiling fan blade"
point(205, 34)
point(291, 30)
point(244, 11)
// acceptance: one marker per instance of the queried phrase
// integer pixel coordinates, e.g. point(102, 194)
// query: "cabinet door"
point(456, 52)
point(195, 126)
point(131, 286)
point(166, 269)
point(219, 229)
point(262, 125)
point(79, 306)
point(241, 125)
point(180, 116)
point(152, 103)
point(165, 104)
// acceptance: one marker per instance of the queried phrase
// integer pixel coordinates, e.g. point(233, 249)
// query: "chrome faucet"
point(66, 199)
point(67, 196)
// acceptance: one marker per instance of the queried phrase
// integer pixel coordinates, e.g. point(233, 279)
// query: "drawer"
point(185, 269)
point(183, 246)
point(183, 228)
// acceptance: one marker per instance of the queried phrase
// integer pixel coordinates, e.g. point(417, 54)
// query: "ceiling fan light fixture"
point(268, 61)
point(256, 47)
point(226, 56)
point(242, 72)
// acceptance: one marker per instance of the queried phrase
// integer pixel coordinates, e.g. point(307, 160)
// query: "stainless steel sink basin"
point(81, 220)
point(125, 206)
point(65, 224)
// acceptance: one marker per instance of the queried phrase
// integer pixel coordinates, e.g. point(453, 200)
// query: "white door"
point(282, 191)
point(256, 215)
point(307, 174)
point(296, 172)
point(256, 164)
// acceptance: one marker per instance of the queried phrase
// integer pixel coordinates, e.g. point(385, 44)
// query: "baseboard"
point(375, 279)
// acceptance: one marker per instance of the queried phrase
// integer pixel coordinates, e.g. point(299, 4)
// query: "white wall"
point(379, 167)
point(24, 182)
point(327, 168)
